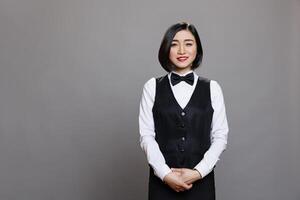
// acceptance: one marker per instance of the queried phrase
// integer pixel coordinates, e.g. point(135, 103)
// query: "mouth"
point(182, 58)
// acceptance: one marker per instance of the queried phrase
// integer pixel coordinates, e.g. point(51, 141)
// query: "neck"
point(182, 71)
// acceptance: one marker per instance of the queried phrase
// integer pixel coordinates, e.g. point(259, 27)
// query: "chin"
point(180, 66)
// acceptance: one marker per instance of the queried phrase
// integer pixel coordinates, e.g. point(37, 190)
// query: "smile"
point(182, 58)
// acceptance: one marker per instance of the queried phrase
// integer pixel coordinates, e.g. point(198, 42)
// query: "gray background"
point(71, 77)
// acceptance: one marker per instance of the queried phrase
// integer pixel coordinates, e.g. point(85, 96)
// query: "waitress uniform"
point(183, 135)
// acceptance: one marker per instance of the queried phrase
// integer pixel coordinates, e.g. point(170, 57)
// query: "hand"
point(189, 176)
point(173, 179)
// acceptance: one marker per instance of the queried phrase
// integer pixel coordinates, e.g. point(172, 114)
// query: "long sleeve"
point(219, 131)
point(147, 134)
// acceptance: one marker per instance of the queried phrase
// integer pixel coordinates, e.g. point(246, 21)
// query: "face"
point(183, 50)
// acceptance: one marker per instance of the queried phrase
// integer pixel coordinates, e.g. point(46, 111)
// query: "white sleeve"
point(147, 134)
point(219, 131)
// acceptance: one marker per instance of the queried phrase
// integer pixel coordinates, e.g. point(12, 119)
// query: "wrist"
point(165, 178)
point(198, 174)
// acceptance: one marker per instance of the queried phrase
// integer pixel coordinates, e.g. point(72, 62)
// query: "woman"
point(182, 121)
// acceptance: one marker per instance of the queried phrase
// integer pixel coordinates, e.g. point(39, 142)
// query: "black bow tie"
point(189, 78)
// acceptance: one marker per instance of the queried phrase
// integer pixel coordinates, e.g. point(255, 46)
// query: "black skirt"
point(203, 189)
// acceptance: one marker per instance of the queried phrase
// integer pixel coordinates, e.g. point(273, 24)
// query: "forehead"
point(184, 35)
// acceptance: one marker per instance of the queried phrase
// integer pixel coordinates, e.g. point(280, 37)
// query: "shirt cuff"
point(202, 169)
point(163, 171)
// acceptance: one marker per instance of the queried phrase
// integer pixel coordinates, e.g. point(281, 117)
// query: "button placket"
point(182, 113)
point(181, 142)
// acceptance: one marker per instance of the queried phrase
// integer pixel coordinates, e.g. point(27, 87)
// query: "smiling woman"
point(180, 40)
point(183, 50)
point(182, 121)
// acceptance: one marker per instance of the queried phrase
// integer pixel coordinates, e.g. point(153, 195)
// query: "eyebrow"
point(187, 40)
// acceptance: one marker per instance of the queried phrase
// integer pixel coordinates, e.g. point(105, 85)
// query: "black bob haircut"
point(164, 50)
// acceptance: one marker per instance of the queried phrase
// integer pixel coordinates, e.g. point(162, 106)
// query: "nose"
point(181, 49)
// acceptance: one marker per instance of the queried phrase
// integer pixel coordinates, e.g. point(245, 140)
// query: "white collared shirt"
point(182, 93)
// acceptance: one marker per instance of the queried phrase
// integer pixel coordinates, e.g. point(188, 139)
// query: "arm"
point(219, 131)
point(147, 134)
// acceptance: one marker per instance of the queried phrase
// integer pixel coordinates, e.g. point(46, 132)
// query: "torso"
point(183, 135)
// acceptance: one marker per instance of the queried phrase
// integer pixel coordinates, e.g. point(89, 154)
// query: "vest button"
point(182, 125)
point(182, 150)
point(183, 138)
point(182, 113)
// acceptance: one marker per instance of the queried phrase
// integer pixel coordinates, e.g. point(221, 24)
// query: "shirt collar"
point(182, 74)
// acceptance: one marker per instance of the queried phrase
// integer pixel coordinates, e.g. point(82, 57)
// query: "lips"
point(182, 58)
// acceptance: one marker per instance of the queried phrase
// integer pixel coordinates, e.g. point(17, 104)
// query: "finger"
point(187, 186)
point(176, 169)
point(190, 186)
point(177, 189)
point(177, 172)
point(184, 178)
point(180, 189)
point(189, 182)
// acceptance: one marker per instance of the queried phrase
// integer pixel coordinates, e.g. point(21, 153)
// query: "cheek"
point(172, 54)
point(193, 52)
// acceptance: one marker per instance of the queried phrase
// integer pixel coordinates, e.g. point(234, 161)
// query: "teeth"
point(182, 59)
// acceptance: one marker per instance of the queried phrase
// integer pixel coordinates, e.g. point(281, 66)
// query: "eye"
point(173, 44)
point(189, 44)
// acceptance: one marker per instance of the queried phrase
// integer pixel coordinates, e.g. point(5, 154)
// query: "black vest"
point(183, 136)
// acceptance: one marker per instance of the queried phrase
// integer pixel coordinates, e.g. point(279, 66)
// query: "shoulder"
point(215, 88)
point(204, 79)
point(214, 84)
point(149, 82)
point(210, 84)
point(149, 88)
point(149, 85)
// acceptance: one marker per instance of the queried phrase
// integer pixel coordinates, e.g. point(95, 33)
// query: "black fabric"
point(189, 78)
point(183, 136)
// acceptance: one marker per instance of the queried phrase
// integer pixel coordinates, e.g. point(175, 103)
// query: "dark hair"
point(164, 50)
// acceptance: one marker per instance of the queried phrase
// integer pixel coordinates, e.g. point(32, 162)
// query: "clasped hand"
point(181, 179)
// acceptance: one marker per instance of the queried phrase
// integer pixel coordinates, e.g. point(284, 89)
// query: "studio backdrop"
point(71, 78)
